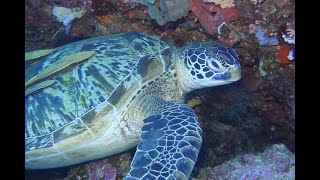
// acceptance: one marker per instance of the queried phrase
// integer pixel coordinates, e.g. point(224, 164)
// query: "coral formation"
point(263, 39)
point(103, 171)
point(275, 113)
point(93, 171)
point(283, 54)
point(276, 162)
point(290, 38)
point(172, 10)
point(108, 169)
point(154, 11)
point(222, 3)
point(85, 4)
point(291, 55)
point(231, 123)
point(167, 10)
point(211, 16)
point(67, 15)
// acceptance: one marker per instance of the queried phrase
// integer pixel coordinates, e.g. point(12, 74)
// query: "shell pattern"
point(67, 107)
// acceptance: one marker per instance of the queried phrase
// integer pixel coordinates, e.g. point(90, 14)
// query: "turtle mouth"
point(235, 74)
point(230, 74)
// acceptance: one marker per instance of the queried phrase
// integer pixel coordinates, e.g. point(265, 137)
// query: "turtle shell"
point(79, 100)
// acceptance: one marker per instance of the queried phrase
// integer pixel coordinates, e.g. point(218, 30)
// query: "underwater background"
point(248, 126)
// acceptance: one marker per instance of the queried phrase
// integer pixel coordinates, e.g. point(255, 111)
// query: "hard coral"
point(172, 10)
point(275, 113)
point(263, 39)
point(85, 4)
point(229, 40)
point(212, 16)
point(167, 10)
point(289, 37)
point(222, 3)
point(283, 54)
point(103, 171)
point(154, 11)
point(106, 20)
point(276, 162)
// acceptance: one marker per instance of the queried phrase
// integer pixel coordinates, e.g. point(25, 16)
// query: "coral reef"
point(222, 3)
point(245, 117)
point(103, 171)
point(290, 38)
point(154, 11)
point(107, 169)
point(276, 162)
point(84, 4)
point(283, 54)
point(211, 16)
point(167, 10)
point(291, 55)
point(172, 10)
point(275, 113)
point(231, 123)
point(263, 39)
point(67, 15)
point(93, 171)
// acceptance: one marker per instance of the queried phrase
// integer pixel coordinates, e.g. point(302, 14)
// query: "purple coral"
point(276, 162)
point(103, 171)
point(263, 39)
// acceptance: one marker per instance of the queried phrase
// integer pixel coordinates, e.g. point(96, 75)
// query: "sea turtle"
point(101, 96)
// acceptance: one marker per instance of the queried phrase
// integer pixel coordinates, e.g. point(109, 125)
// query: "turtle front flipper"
point(169, 145)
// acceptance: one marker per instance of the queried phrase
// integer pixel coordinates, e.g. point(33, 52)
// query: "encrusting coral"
point(222, 3)
point(212, 16)
point(276, 162)
point(167, 10)
point(174, 9)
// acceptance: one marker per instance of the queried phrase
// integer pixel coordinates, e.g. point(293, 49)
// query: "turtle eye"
point(216, 64)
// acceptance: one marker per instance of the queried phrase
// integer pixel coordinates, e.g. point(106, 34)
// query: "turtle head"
point(207, 64)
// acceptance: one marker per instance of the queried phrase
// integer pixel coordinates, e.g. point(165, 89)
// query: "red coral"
point(283, 54)
point(212, 16)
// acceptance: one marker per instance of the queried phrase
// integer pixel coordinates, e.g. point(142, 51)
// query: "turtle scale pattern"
point(65, 108)
point(169, 144)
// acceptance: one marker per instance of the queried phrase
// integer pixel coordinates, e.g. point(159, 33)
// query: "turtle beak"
point(235, 74)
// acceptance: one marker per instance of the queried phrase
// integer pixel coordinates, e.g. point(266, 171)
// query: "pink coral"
point(276, 162)
point(104, 171)
point(212, 16)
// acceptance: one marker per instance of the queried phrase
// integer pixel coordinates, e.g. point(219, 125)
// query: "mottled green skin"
point(68, 108)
